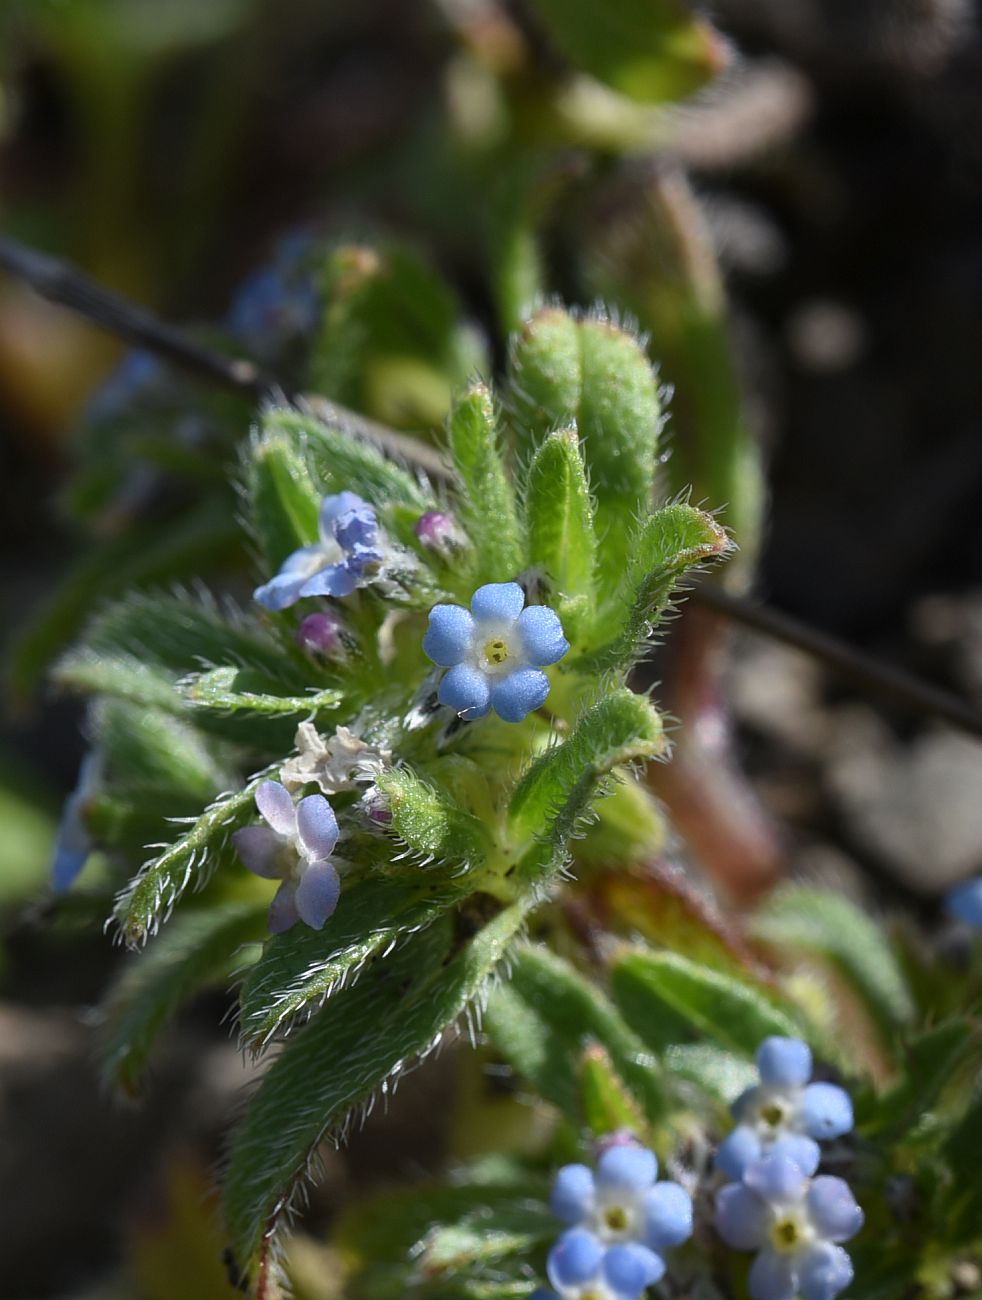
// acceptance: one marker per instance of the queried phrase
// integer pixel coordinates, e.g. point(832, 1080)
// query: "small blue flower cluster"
point(775, 1205)
point(621, 1220)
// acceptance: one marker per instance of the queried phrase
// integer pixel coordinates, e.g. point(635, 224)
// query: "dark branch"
point(63, 284)
point(893, 685)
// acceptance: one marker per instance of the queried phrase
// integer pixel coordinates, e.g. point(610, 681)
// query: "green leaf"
point(338, 461)
point(930, 1063)
point(648, 985)
point(669, 542)
point(149, 749)
point(488, 501)
point(544, 1018)
point(562, 539)
point(283, 499)
point(802, 918)
point(963, 1209)
point(300, 969)
point(429, 821)
point(228, 691)
point(605, 1102)
point(408, 1242)
point(719, 1073)
point(200, 948)
point(649, 50)
point(557, 786)
point(591, 375)
point(364, 1035)
point(192, 859)
point(202, 539)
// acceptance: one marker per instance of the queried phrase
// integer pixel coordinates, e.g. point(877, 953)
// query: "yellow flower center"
point(787, 1235)
point(772, 1114)
point(615, 1218)
point(496, 651)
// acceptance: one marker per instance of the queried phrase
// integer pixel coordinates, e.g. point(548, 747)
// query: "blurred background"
point(209, 161)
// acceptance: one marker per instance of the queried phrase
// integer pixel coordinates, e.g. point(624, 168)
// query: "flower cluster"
point(343, 558)
point(784, 1114)
point(495, 652)
point(621, 1220)
point(795, 1223)
point(294, 846)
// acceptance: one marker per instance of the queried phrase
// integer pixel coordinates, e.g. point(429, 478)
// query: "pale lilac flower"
point(294, 846)
point(343, 558)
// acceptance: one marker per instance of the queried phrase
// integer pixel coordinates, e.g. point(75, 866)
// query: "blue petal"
point(333, 507)
point(823, 1271)
point(67, 864)
point(628, 1269)
point(74, 844)
point(501, 601)
point(631, 1169)
point(574, 1259)
point(542, 635)
point(832, 1209)
point(738, 1150)
point(317, 827)
point(466, 691)
point(280, 592)
point(772, 1277)
point(572, 1194)
point(260, 849)
point(317, 894)
point(667, 1216)
point(357, 527)
point(448, 637)
point(776, 1179)
point(283, 909)
point(518, 694)
point(802, 1150)
point(784, 1062)
point(825, 1111)
point(540, 1293)
point(742, 1218)
point(965, 902)
point(275, 804)
point(333, 580)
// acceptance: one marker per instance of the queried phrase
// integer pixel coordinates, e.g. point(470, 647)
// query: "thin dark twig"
point(65, 285)
point(893, 685)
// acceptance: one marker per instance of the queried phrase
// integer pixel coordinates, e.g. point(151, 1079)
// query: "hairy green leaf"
point(605, 1103)
point(547, 1014)
point(242, 690)
point(562, 539)
point(364, 1035)
point(646, 985)
point(430, 821)
point(802, 918)
point(283, 498)
point(200, 948)
point(338, 461)
point(556, 788)
point(192, 859)
point(300, 969)
point(488, 500)
point(669, 542)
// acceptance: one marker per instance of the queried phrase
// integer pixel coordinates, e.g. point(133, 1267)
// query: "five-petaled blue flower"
point(784, 1113)
point(622, 1204)
point(334, 566)
point(294, 846)
point(581, 1268)
point(795, 1223)
point(495, 652)
point(965, 902)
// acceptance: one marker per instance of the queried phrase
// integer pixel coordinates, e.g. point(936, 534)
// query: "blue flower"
point(334, 566)
point(580, 1267)
point(293, 846)
point(622, 1204)
point(279, 304)
point(795, 1224)
point(965, 902)
point(74, 844)
point(784, 1113)
point(495, 652)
